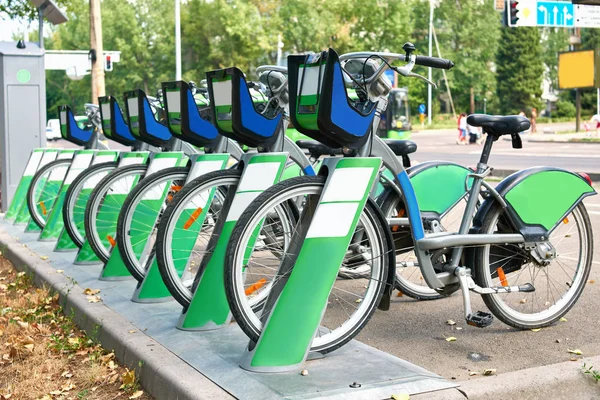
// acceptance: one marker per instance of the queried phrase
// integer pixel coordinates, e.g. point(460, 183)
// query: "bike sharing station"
point(144, 214)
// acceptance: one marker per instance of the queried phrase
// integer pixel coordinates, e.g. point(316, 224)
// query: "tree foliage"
point(519, 69)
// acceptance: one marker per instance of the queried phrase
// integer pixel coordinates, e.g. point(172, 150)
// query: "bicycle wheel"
point(138, 219)
point(77, 197)
point(44, 188)
point(252, 264)
point(558, 280)
point(409, 280)
point(187, 230)
point(104, 205)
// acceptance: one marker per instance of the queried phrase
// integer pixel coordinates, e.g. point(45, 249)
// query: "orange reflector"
point(255, 286)
point(192, 218)
point(169, 198)
point(176, 188)
point(43, 207)
point(502, 277)
point(566, 220)
point(400, 294)
point(401, 214)
point(111, 240)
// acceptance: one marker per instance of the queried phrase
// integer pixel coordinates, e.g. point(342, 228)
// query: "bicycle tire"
point(34, 192)
point(96, 200)
point(128, 212)
point(513, 314)
point(247, 224)
point(168, 270)
point(76, 231)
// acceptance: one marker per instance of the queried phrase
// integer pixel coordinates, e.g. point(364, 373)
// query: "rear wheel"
point(558, 277)
point(44, 188)
point(261, 239)
point(104, 205)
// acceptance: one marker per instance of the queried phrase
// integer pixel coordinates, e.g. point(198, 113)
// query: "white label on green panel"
point(203, 167)
point(80, 163)
point(332, 220)
point(103, 158)
point(106, 111)
point(308, 80)
point(48, 157)
point(338, 188)
point(65, 155)
point(33, 163)
point(222, 93)
point(173, 101)
point(125, 161)
point(58, 173)
point(259, 176)
point(158, 164)
point(240, 202)
point(132, 105)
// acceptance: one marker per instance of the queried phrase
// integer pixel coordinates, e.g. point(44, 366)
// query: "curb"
point(161, 373)
point(557, 381)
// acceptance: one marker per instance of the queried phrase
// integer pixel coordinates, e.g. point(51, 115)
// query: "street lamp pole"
point(178, 40)
point(430, 54)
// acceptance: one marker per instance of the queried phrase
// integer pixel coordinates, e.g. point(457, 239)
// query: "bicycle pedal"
point(480, 319)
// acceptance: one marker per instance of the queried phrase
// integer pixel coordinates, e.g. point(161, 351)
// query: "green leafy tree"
point(554, 40)
point(520, 69)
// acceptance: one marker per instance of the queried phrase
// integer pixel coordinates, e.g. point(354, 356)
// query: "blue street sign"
point(422, 108)
point(555, 13)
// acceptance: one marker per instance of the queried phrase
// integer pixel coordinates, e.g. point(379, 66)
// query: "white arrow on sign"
point(545, 11)
point(555, 12)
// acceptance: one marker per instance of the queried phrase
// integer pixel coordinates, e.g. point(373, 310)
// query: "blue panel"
point(199, 126)
point(410, 199)
point(309, 171)
point(252, 120)
point(342, 114)
point(121, 128)
point(76, 132)
point(153, 127)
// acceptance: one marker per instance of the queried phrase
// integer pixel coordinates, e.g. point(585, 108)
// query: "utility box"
point(22, 111)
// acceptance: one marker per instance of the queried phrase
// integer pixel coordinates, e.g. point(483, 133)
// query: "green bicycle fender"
point(439, 185)
point(544, 196)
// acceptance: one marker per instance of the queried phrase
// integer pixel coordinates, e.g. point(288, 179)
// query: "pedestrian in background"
point(462, 129)
point(533, 119)
point(595, 123)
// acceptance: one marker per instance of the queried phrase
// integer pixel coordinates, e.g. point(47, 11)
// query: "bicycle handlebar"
point(434, 62)
point(277, 68)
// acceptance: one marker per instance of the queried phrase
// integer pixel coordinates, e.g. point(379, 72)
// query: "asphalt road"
point(416, 330)
point(578, 157)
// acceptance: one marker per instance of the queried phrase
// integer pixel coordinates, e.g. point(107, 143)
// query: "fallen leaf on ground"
point(451, 339)
point(60, 271)
point(3, 286)
point(523, 301)
point(489, 371)
point(136, 394)
point(536, 329)
point(132, 331)
point(458, 328)
point(591, 281)
point(401, 396)
point(563, 319)
point(93, 299)
point(44, 257)
point(450, 322)
point(575, 351)
point(128, 377)
point(23, 325)
point(91, 292)
point(473, 373)
point(304, 372)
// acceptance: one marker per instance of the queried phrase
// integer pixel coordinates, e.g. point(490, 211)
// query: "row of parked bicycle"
point(301, 242)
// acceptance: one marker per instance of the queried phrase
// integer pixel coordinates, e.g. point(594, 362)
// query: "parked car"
point(53, 129)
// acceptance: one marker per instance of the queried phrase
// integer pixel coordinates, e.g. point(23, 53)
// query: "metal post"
point(430, 52)
point(98, 88)
point(41, 27)
point(178, 40)
point(577, 109)
point(598, 101)
point(279, 49)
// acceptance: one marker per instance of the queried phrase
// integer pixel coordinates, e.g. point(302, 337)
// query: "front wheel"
point(261, 239)
point(558, 279)
point(44, 188)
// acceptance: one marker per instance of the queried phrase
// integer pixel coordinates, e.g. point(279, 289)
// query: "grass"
point(43, 355)
point(590, 371)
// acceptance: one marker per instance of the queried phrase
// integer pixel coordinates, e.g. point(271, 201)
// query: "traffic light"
point(107, 63)
point(512, 17)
